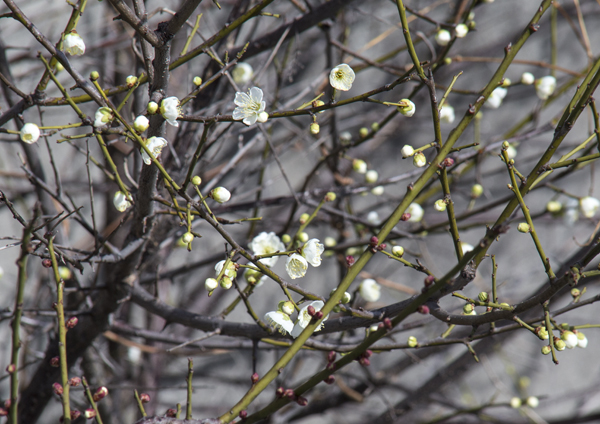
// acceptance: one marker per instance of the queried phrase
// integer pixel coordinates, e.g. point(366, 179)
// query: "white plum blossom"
point(170, 110)
point(229, 272)
point(495, 99)
point(569, 338)
point(73, 44)
point(304, 318)
point(103, 116)
point(571, 211)
point(370, 290)
point(30, 133)
point(443, 37)
point(242, 73)
point(407, 151)
point(408, 110)
point(312, 250)
point(447, 114)
point(545, 86)
point(296, 266)
point(589, 206)
point(280, 321)
point(377, 191)
point(532, 402)
point(371, 176)
point(341, 77)
point(266, 244)
point(582, 341)
point(373, 218)
point(416, 212)
point(155, 145)
point(141, 124)
point(121, 202)
point(359, 166)
point(511, 152)
point(249, 106)
point(461, 30)
point(220, 194)
point(527, 78)
point(210, 284)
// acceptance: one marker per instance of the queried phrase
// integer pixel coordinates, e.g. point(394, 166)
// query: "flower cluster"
point(310, 253)
point(281, 321)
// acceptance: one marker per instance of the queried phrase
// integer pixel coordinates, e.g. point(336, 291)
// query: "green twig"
point(188, 406)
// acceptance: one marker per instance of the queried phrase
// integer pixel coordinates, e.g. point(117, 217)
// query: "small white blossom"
point(103, 116)
point(377, 191)
point(121, 202)
point(532, 402)
point(370, 290)
point(419, 160)
point(515, 402)
point(407, 151)
point(359, 166)
point(443, 37)
point(229, 272)
point(265, 244)
point(220, 194)
point(242, 73)
point(312, 250)
point(461, 30)
point(30, 133)
point(511, 152)
point(569, 338)
point(495, 99)
point(398, 251)
point(440, 205)
point(466, 247)
point(371, 176)
point(210, 284)
point(304, 318)
point(73, 44)
point(408, 110)
point(571, 211)
point(170, 110)
point(345, 137)
point(373, 218)
point(141, 124)
point(341, 77)
point(155, 145)
point(589, 206)
point(296, 266)
point(527, 78)
point(280, 321)
point(187, 238)
point(447, 114)
point(416, 212)
point(249, 106)
point(545, 86)
point(582, 341)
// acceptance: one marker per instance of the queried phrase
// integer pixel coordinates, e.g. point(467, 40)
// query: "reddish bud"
point(289, 393)
point(380, 326)
point(46, 263)
point(7, 403)
point(381, 247)
point(311, 310)
point(75, 414)
point(374, 240)
point(349, 260)
point(405, 217)
point(302, 401)
point(58, 389)
point(448, 162)
point(330, 379)
point(280, 392)
point(318, 315)
point(171, 413)
point(100, 394)
point(331, 356)
point(55, 362)
point(429, 280)
point(331, 366)
point(71, 322)
point(423, 309)
point(75, 381)
point(89, 413)
point(254, 378)
point(388, 323)
point(11, 368)
point(144, 398)
point(243, 414)
point(368, 353)
point(365, 362)
point(3, 412)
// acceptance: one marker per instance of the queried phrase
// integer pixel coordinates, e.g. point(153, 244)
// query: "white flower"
point(210, 284)
point(249, 106)
point(407, 151)
point(220, 194)
point(416, 212)
point(466, 247)
point(545, 86)
point(296, 266)
point(495, 99)
point(345, 137)
point(103, 116)
point(265, 244)
point(408, 110)
point(312, 250)
point(511, 152)
point(371, 176)
point(440, 205)
point(589, 206)
point(370, 290)
point(121, 202)
point(569, 338)
point(461, 30)
point(280, 321)
point(571, 211)
point(359, 166)
point(242, 73)
point(341, 77)
point(73, 44)
point(373, 218)
point(582, 341)
point(419, 160)
point(447, 114)
point(527, 78)
point(170, 110)
point(304, 318)
point(377, 191)
point(229, 272)
point(30, 133)
point(141, 124)
point(443, 37)
point(155, 145)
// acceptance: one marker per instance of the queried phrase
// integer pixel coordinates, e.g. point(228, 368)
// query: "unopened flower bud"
point(407, 151)
point(75, 414)
point(523, 227)
point(311, 310)
point(476, 191)
point(196, 180)
point(141, 124)
point(197, 81)
point(47, 263)
point(553, 206)
point(30, 133)
point(443, 37)
point(359, 166)
point(419, 160)
point(303, 236)
point(405, 216)
point(171, 413)
point(515, 402)
point(412, 341)
point(527, 78)
point(546, 350)
point(286, 307)
point(89, 414)
point(254, 378)
point(187, 237)
point(131, 80)
point(54, 362)
point(560, 345)
point(461, 30)
point(210, 284)
point(286, 238)
point(71, 322)
point(220, 194)
point(423, 309)
point(243, 414)
point(346, 297)
point(468, 309)
point(371, 176)
point(57, 388)
point(329, 379)
point(152, 108)
point(315, 128)
point(94, 75)
point(226, 282)
point(398, 251)
point(304, 218)
point(74, 381)
point(363, 132)
point(302, 401)
point(532, 402)
point(575, 292)
point(440, 205)
point(349, 260)
point(11, 368)
point(100, 394)
point(483, 297)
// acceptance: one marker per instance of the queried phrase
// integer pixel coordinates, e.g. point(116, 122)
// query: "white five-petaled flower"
point(121, 202)
point(447, 114)
point(170, 110)
point(370, 290)
point(545, 86)
point(408, 110)
point(416, 212)
point(249, 106)
point(73, 44)
point(242, 73)
point(296, 266)
point(220, 194)
point(141, 124)
point(304, 318)
point(312, 250)
point(589, 206)
point(155, 145)
point(341, 77)
point(280, 321)
point(30, 133)
point(229, 272)
point(103, 116)
point(443, 37)
point(265, 244)
point(495, 99)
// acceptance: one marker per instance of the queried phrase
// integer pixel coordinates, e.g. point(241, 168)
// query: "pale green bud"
point(476, 191)
point(187, 237)
point(398, 251)
point(483, 297)
point(303, 237)
point(197, 81)
point(286, 238)
point(304, 218)
point(226, 282)
point(363, 132)
point(152, 108)
point(524, 227)
point(196, 180)
point(412, 341)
